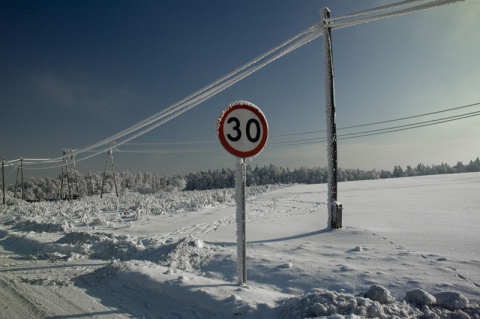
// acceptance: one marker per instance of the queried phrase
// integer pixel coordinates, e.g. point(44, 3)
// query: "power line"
point(376, 9)
point(353, 22)
point(383, 130)
point(409, 117)
point(171, 143)
point(322, 139)
point(174, 151)
point(381, 122)
point(412, 126)
point(238, 74)
point(315, 140)
point(418, 123)
point(200, 96)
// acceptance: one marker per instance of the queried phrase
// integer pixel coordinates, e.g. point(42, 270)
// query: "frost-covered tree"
point(474, 166)
point(398, 171)
point(410, 171)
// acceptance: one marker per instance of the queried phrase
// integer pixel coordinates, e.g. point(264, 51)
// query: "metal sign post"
point(243, 132)
point(241, 219)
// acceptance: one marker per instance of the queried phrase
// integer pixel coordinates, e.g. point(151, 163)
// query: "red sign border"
point(221, 122)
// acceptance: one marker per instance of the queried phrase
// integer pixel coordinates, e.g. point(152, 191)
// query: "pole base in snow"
point(337, 222)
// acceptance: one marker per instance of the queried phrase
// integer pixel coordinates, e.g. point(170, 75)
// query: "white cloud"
point(57, 91)
point(88, 95)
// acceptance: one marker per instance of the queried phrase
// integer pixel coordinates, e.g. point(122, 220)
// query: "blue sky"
point(76, 72)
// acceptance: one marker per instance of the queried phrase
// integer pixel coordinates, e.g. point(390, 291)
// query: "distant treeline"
point(224, 178)
point(90, 184)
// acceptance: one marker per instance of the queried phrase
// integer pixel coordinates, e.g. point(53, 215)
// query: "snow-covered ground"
point(410, 248)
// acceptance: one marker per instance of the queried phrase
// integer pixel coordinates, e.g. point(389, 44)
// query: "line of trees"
point(90, 184)
point(271, 174)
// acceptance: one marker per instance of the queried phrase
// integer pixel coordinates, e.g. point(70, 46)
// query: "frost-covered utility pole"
point(21, 174)
point(62, 176)
point(385, 11)
point(16, 183)
point(68, 175)
point(334, 213)
point(113, 172)
point(3, 180)
point(104, 175)
point(109, 154)
point(72, 158)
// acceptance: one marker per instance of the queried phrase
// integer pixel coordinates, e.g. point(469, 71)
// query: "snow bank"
point(330, 304)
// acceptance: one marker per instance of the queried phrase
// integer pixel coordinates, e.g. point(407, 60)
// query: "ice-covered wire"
point(376, 9)
point(319, 139)
point(183, 108)
point(13, 169)
point(323, 139)
point(171, 151)
point(170, 143)
point(196, 98)
point(206, 95)
point(181, 103)
point(409, 117)
point(438, 3)
point(233, 77)
point(441, 120)
point(379, 131)
point(199, 94)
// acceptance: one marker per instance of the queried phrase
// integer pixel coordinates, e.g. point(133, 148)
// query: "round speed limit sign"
point(242, 129)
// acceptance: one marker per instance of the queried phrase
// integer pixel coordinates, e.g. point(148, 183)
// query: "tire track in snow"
point(32, 288)
point(14, 301)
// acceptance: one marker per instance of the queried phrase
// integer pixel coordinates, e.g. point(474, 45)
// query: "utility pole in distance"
point(3, 180)
point(21, 172)
point(334, 210)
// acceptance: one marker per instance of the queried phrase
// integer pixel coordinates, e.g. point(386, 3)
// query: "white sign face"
point(243, 129)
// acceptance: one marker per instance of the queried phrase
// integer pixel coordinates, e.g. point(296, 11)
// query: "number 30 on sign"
point(242, 129)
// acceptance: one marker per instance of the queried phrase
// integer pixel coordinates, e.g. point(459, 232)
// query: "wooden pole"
point(104, 175)
point(68, 179)
point(76, 176)
point(331, 121)
point(3, 181)
point(23, 187)
point(113, 171)
point(62, 176)
point(16, 183)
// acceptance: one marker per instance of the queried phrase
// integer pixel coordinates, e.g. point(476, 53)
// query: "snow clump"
point(379, 293)
point(187, 256)
point(451, 300)
point(331, 304)
point(419, 297)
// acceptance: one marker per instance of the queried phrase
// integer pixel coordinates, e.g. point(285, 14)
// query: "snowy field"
point(409, 248)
